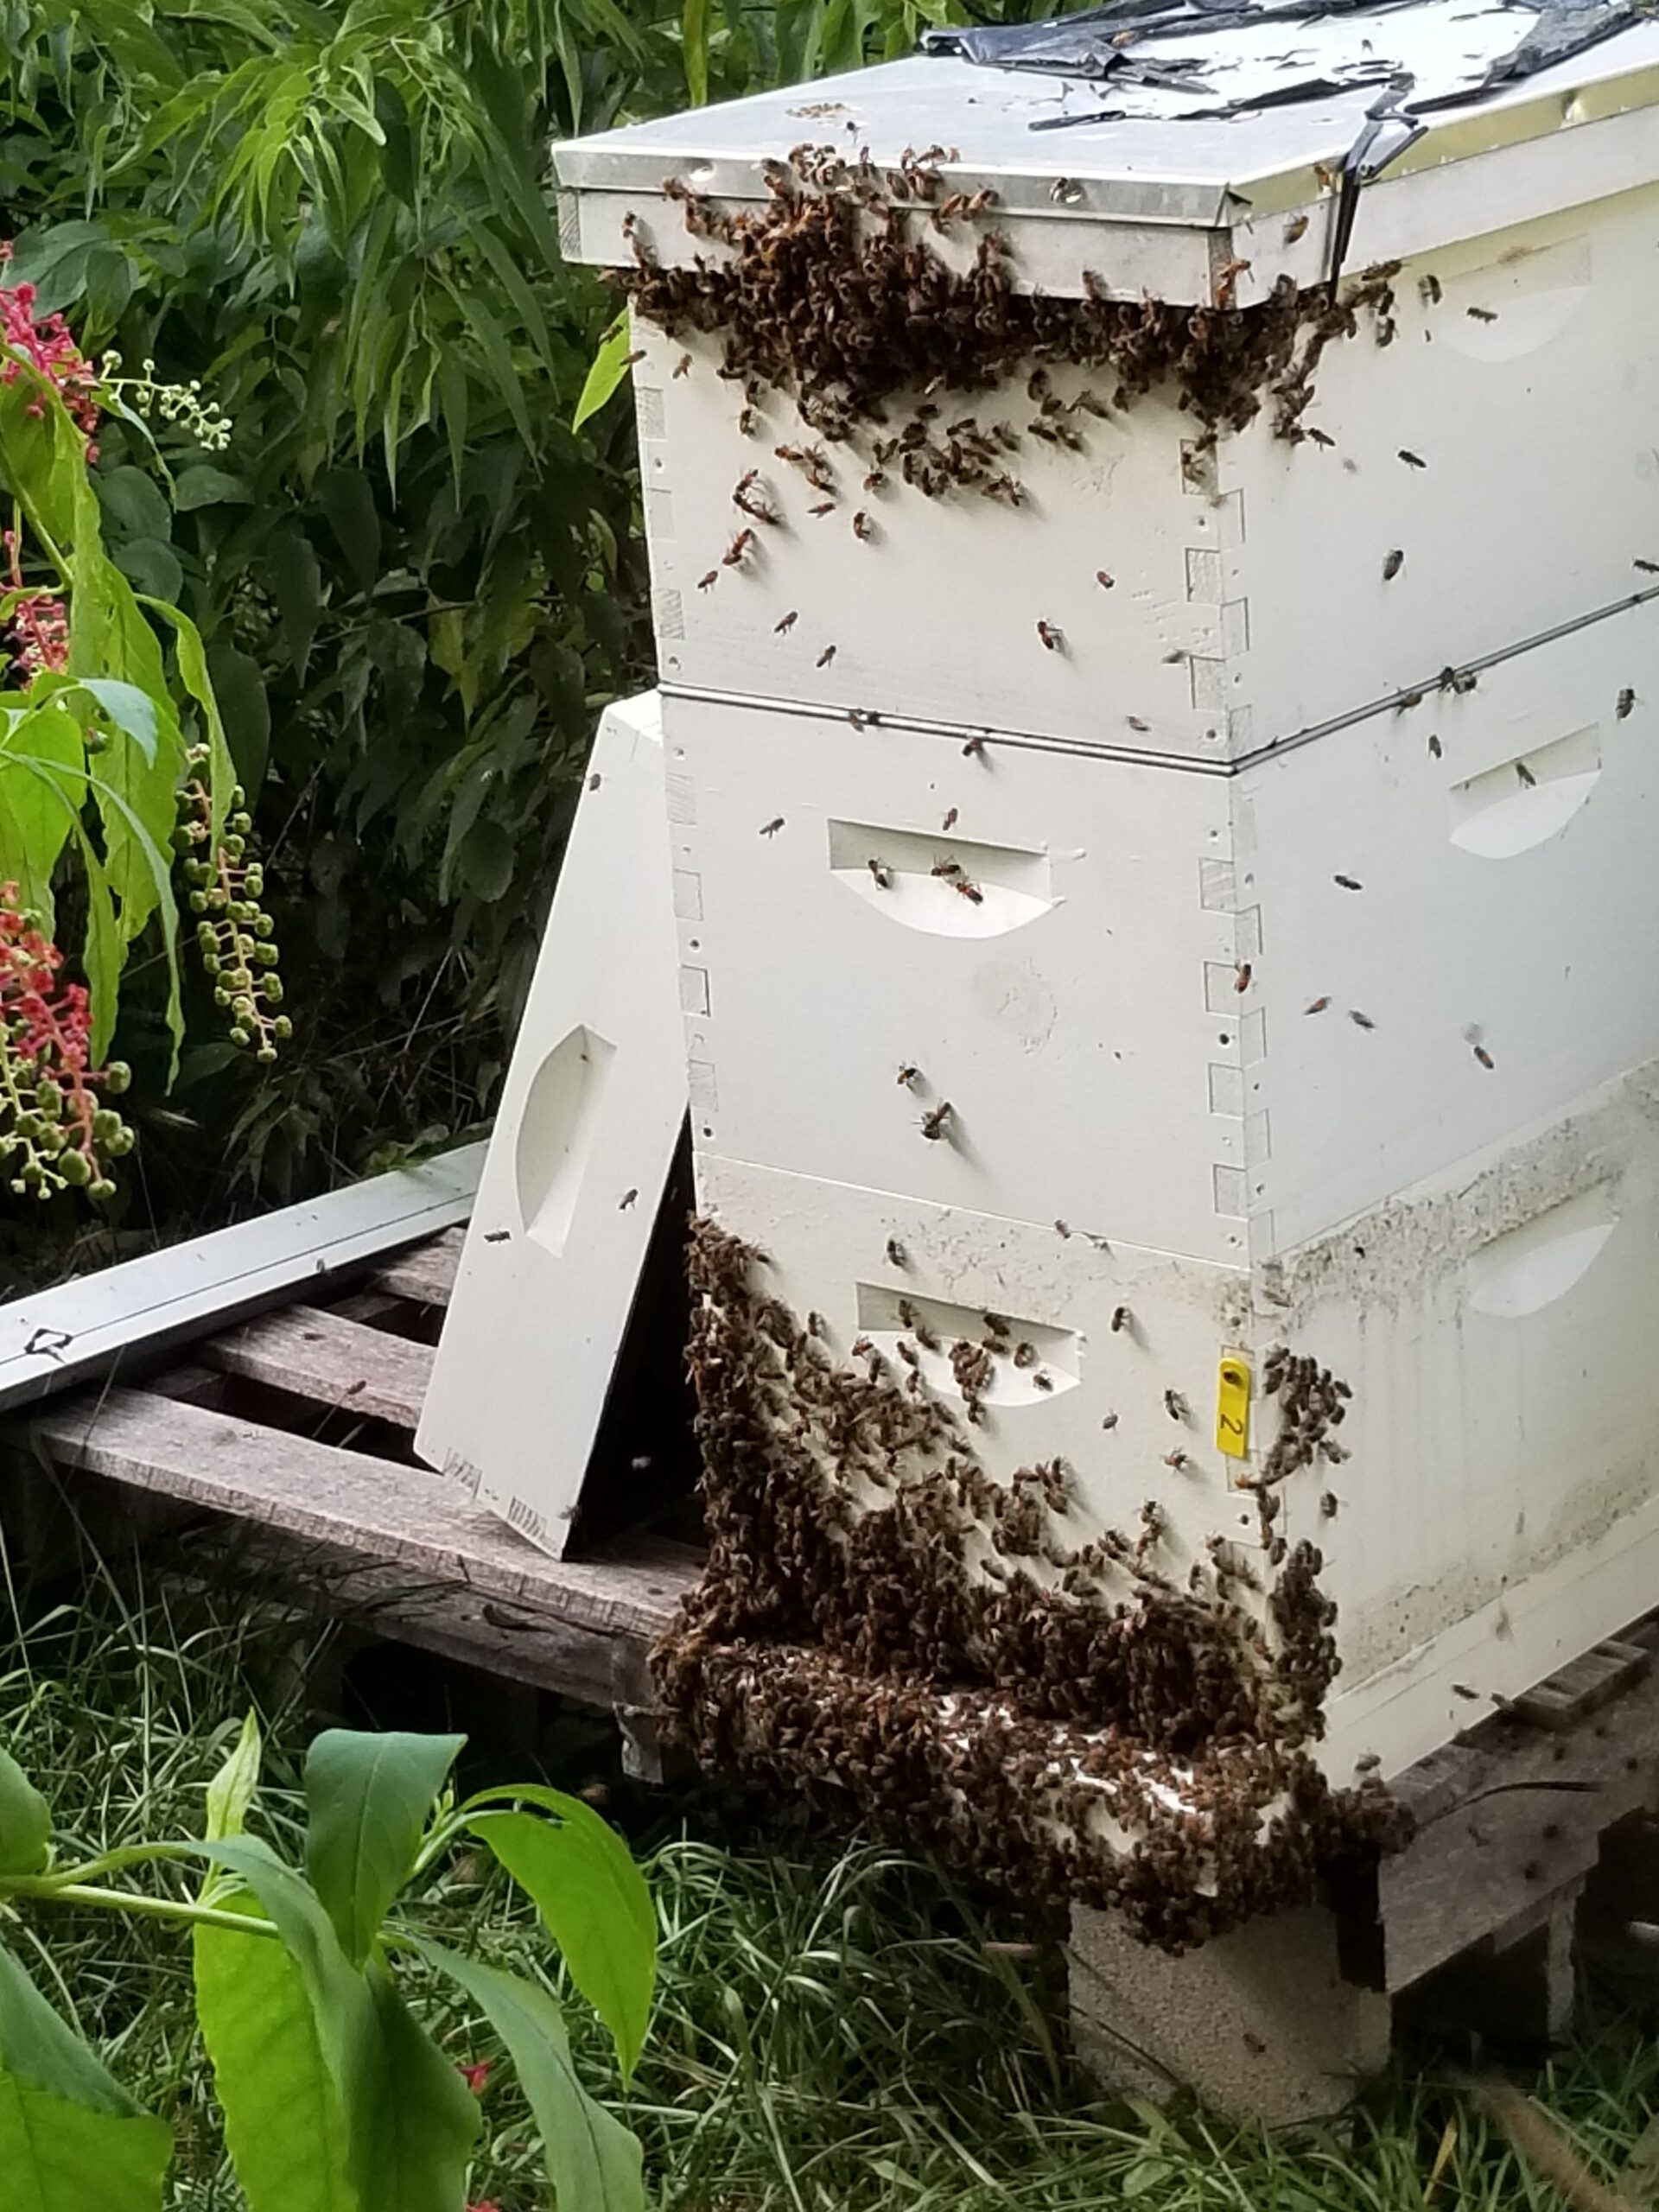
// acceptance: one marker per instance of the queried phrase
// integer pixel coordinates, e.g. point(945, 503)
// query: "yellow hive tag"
point(1233, 1406)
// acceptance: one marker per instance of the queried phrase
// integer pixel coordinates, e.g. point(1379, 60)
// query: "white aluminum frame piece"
point(1500, 1510)
point(590, 1114)
point(1211, 1015)
point(86, 1327)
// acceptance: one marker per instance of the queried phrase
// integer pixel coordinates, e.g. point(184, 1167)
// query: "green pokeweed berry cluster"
point(59, 1139)
point(234, 933)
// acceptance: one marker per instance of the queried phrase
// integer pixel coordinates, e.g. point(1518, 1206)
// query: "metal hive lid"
point(1212, 119)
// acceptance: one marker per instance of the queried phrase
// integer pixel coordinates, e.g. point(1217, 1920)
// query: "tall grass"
point(835, 2030)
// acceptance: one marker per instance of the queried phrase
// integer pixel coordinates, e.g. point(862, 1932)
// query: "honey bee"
point(1429, 286)
point(746, 423)
point(1295, 228)
point(1436, 750)
point(895, 1253)
point(1051, 638)
point(1392, 564)
point(779, 629)
point(935, 1122)
point(1347, 882)
point(1626, 704)
point(1241, 976)
point(1024, 1355)
point(1120, 1319)
point(1412, 460)
point(1525, 777)
point(1063, 1229)
point(1136, 722)
point(823, 507)
point(1481, 314)
point(1316, 1006)
point(975, 749)
point(1176, 1405)
point(1360, 1020)
point(637, 354)
point(1178, 1459)
point(1481, 1053)
point(861, 1347)
point(1042, 1380)
point(862, 526)
point(1227, 278)
point(1104, 579)
point(1329, 1506)
point(980, 202)
point(708, 583)
point(771, 829)
point(826, 657)
point(739, 547)
point(907, 1076)
point(1109, 1420)
point(882, 874)
point(970, 892)
point(875, 480)
point(683, 366)
point(1648, 567)
point(1320, 437)
point(949, 822)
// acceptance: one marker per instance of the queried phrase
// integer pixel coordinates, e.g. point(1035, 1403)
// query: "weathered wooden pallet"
point(281, 1449)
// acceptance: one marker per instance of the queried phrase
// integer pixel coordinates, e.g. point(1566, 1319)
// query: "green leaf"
point(201, 485)
point(231, 1793)
point(131, 710)
point(435, 2118)
point(283, 2125)
point(104, 950)
point(39, 804)
point(605, 377)
point(484, 860)
point(58, 2157)
point(367, 1798)
point(240, 687)
point(694, 38)
point(193, 674)
point(348, 498)
point(593, 2162)
point(25, 1820)
point(134, 503)
point(149, 565)
point(37, 2045)
point(296, 579)
point(593, 1901)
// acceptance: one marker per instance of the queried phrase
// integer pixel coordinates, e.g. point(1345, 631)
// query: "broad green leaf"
point(484, 860)
point(130, 710)
point(37, 2045)
point(38, 806)
point(59, 2157)
point(233, 1789)
point(593, 1901)
point(134, 503)
point(25, 1820)
point(435, 2116)
point(201, 485)
point(347, 498)
point(367, 1798)
point(605, 377)
point(41, 454)
point(593, 2161)
point(193, 674)
point(295, 580)
point(151, 566)
point(104, 950)
point(239, 686)
point(283, 2124)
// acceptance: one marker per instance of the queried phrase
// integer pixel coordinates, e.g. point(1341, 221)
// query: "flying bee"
point(780, 629)
point(1472, 1037)
point(1626, 704)
point(1648, 567)
point(1176, 1405)
point(1348, 883)
point(823, 507)
point(1316, 1006)
point(771, 829)
point(1436, 750)
point(826, 657)
point(1051, 638)
point(1524, 775)
point(935, 1122)
point(1136, 722)
point(1412, 460)
point(1320, 437)
point(1360, 1020)
point(882, 874)
point(1109, 1420)
point(1392, 564)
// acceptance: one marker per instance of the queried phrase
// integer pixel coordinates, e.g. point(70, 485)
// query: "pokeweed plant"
point(93, 751)
point(334, 2096)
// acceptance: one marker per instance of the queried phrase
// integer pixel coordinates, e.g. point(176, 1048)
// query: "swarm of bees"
point(888, 1630)
point(832, 292)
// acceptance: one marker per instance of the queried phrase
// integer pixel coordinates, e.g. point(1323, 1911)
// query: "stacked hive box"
point(1181, 925)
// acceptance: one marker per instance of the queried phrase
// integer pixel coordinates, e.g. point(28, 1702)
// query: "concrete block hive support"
point(1260, 2023)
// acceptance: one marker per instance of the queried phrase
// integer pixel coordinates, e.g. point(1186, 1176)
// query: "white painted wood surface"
point(53, 1338)
point(590, 1114)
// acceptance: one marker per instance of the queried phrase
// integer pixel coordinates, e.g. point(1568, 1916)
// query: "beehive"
point(1159, 756)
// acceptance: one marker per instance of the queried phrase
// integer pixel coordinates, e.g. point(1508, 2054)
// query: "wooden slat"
point(329, 1359)
point(427, 1273)
point(393, 1516)
point(1575, 1691)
